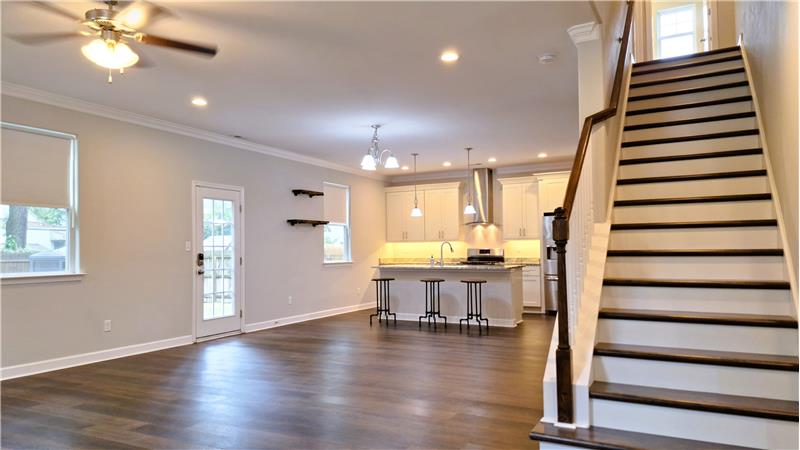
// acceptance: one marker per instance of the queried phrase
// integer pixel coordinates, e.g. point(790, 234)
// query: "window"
point(38, 217)
point(337, 231)
point(675, 31)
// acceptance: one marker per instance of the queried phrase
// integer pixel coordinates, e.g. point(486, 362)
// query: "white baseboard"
point(22, 370)
point(258, 326)
point(502, 323)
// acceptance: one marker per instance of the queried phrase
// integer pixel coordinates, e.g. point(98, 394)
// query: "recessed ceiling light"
point(542, 155)
point(199, 102)
point(492, 159)
point(449, 56)
point(447, 164)
point(404, 168)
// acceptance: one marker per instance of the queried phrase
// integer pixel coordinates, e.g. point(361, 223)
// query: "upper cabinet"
point(520, 208)
point(552, 188)
point(440, 213)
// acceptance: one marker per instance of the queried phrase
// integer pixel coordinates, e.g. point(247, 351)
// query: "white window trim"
point(349, 237)
point(73, 272)
point(673, 9)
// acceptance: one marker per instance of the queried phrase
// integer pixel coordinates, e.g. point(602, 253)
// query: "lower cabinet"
point(531, 287)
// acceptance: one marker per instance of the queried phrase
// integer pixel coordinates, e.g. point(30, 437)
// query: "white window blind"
point(35, 169)
point(336, 209)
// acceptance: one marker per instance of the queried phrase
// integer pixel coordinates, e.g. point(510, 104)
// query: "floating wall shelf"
point(310, 194)
point(313, 223)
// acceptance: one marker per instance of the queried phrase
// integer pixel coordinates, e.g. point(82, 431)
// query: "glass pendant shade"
point(469, 209)
point(109, 54)
point(391, 163)
point(368, 162)
point(416, 212)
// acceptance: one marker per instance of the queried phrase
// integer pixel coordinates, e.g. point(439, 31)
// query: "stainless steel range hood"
point(482, 197)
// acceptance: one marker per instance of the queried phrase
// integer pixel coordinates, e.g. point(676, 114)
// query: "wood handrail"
point(601, 116)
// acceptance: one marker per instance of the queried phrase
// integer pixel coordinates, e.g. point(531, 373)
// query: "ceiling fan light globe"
point(368, 163)
point(110, 55)
point(391, 163)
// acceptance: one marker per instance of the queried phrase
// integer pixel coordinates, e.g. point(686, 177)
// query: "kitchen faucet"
point(441, 252)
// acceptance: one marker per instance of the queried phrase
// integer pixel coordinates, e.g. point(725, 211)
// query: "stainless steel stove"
point(485, 256)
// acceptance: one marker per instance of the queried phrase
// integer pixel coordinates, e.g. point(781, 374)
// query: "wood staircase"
point(697, 338)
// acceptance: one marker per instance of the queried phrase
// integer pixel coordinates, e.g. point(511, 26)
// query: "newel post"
point(563, 351)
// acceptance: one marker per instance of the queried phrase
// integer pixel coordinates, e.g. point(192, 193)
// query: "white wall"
point(770, 39)
point(135, 212)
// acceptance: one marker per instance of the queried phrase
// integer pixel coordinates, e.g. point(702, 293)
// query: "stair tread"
point(763, 320)
point(691, 156)
point(731, 284)
point(694, 137)
point(700, 252)
point(692, 90)
point(700, 401)
point(702, 199)
point(699, 224)
point(689, 56)
point(678, 79)
point(721, 101)
point(672, 123)
point(611, 439)
point(694, 177)
point(695, 356)
point(687, 65)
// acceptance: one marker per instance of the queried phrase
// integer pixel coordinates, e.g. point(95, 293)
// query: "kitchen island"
point(502, 293)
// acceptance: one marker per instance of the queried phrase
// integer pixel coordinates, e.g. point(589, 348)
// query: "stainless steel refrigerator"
point(549, 264)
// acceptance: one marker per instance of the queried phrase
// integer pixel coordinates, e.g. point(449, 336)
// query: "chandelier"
point(374, 155)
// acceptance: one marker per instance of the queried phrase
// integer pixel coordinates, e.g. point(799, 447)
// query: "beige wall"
point(770, 39)
point(135, 200)
point(726, 23)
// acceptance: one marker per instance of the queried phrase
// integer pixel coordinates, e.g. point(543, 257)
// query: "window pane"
point(676, 21)
point(677, 46)
point(337, 248)
point(34, 239)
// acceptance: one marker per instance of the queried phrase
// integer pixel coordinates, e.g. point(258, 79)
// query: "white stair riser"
point(721, 186)
point(688, 84)
point(683, 72)
point(767, 268)
point(690, 113)
point(692, 166)
point(761, 209)
point(673, 100)
point(777, 384)
point(699, 425)
point(730, 338)
point(695, 59)
point(738, 301)
point(695, 238)
point(691, 147)
point(718, 126)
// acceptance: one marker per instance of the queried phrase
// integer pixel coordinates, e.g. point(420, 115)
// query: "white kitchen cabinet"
point(440, 213)
point(531, 287)
point(552, 187)
point(520, 208)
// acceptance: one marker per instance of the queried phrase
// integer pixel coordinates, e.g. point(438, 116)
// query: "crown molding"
point(584, 32)
point(108, 112)
point(560, 164)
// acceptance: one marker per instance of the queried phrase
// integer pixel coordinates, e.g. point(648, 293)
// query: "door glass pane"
point(677, 46)
point(219, 253)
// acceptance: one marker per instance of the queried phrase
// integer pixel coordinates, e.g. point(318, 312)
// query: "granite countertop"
point(456, 267)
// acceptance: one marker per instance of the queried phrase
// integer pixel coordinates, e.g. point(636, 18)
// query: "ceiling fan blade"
point(138, 14)
point(178, 45)
point(47, 6)
point(42, 38)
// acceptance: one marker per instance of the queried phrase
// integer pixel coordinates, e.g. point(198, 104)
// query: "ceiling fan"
point(113, 29)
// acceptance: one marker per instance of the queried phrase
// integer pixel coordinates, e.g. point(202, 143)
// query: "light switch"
point(188, 246)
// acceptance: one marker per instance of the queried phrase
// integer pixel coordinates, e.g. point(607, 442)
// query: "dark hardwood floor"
point(330, 383)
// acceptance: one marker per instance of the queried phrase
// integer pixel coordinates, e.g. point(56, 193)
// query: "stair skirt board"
point(705, 79)
point(756, 268)
point(690, 129)
point(691, 147)
point(740, 210)
point(721, 186)
point(707, 300)
point(692, 167)
point(729, 338)
point(699, 425)
point(718, 379)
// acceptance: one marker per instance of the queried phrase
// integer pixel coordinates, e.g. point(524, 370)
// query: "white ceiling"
point(311, 77)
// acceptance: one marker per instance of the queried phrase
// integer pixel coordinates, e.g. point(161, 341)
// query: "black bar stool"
point(382, 300)
point(434, 310)
point(474, 305)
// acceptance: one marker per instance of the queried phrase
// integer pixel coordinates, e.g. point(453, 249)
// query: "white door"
point(217, 261)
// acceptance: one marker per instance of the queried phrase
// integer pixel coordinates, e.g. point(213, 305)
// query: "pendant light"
point(469, 209)
point(415, 212)
point(374, 155)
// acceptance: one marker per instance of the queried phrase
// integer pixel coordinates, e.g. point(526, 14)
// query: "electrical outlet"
point(106, 326)
point(291, 301)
